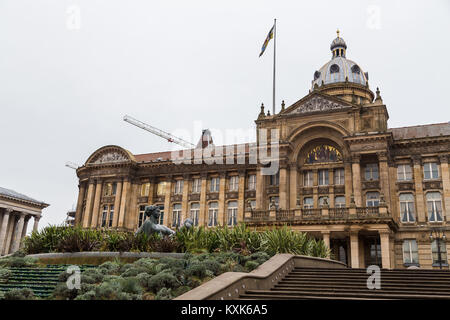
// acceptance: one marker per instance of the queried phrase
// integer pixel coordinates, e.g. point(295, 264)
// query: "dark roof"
point(422, 131)
point(16, 195)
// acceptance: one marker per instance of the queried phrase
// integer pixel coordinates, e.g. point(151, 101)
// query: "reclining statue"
point(151, 225)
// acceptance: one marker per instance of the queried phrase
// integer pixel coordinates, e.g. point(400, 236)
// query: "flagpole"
point(274, 64)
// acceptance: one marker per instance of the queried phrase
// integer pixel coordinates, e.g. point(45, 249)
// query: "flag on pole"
point(266, 42)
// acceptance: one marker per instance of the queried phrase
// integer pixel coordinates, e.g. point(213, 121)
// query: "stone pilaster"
point(96, 206)
point(260, 189)
point(354, 249)
point(326, 238)
point(123, 202)
point(167, 195)
point(284, 187)
point(184, 200)
point(385, 249)
point(356, 172)
point(348, 183)
point(445, 184)
point(420, 199)
point(36, 223)
point(293, 185)
point(203, 219)
point(222, 217)
point(384, 177)
point(241, 196)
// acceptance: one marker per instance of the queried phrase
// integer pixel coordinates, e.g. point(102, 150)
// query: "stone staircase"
point(351, 284)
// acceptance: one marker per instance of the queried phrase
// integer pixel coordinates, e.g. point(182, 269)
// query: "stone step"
point(365, 277)
point(441, 287)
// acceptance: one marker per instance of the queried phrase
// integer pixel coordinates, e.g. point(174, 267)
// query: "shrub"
point(196, 269)
point(161, 280)
point(91, 276)
point(251, 265)
point(131, 285)
point(62, 292)
point(164, 294)
point(15, 262)
point(19, 294)
point(212, 265)
point(4, 274)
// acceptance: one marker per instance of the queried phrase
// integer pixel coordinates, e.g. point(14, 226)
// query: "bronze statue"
point(151, 225)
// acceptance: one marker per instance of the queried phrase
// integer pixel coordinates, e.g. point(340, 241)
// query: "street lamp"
point(438, 234)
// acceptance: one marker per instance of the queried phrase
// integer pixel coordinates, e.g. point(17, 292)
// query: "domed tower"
point(342, 77)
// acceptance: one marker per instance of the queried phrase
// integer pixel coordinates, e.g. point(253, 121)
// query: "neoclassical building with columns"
point(16, 210)
point(376, 195)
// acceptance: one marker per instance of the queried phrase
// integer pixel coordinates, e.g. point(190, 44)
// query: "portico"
point(16, 210)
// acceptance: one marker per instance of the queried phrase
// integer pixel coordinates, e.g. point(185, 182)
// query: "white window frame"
point(324, 177)
point(105, 215)
point(232, 210)
point(176, 215)
point(412, 250)
point(403, 173)
point(374, 202)
point(434, 174)
point(252, 182)
point(308, 179)
point(178, 189)
point(308, 205)
point(195, 212)
point(434, 207)
point(405, 204)
point(213, 212)
point(339, 204)
point(214, 184)
point(141, 216)
point(196, 185)
point(339, 179)
point(233, 183)
point(369, 172)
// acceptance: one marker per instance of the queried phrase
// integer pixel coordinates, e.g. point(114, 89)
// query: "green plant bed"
point(82, 260)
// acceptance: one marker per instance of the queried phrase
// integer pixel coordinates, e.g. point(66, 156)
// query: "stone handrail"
point(230, 285)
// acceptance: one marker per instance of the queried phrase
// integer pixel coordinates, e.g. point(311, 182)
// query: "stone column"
point(326, 238)
point(117, 204)
point(89, 202)
point(354, 249)
point(260, 189)
point(293, 185)
point(222, 217)
point(356, 171)
point(445, 184)
point(79, 212)
point(17, 235)
point(315, 188)
point(123, 201)
point(4, 229)
point(25, 227)
point(96, 206)
point(348, 183)
point(151, 192)
point(184, 199)
point(385, 250)
point(167, 195)
point(9, 236)
point(203, 219)
point(418, 177)
point(241, 196)
point(384, 177)
point(36, 222)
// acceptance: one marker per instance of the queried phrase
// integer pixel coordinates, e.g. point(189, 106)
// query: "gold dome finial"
point(337, 32)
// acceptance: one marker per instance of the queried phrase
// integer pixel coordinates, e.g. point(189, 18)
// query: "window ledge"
point(411, 264)
point(436, 264)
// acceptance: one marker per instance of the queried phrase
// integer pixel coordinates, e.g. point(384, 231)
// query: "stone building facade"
point(16, 210)
point(374, 194)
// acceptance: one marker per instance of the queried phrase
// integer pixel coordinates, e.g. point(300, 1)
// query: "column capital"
point(187, 176)
point(204, 175)
point(416, 159)
point(443, 158)
point(383, 156)
point(356, 158)
point(37, 218)
point(293, 165)
point(242, 172)
point(222, 174)
point(8, 210)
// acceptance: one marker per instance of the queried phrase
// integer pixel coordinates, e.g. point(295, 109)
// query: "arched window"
point(213, 209)
point(195, 212)
point(323, 153)
point(356, 69)
point(232, 213)
point(334, 68)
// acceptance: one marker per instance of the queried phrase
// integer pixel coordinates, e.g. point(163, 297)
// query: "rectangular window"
point(371, 171)
point(274, 179)
point(176, 215)
point(104, 215)
point(161, 189)
point(161, 216)
point(339, 202)
point(323, 177)
point(214, 184)
point(178, 187)
point(196, 185)
point(339, 177)
point(308, 203)
point(195, 211)
point(407, 207)
point(372, 199)
point(442, 250)
point(145, 189)
point(141, 215)
point(308, 178)
point(410, 252)
point(213, 209)
point(252, 182)
point(434, 206)
point(111, 215)
point(232, 213)
point(404, 172)
point(233, 183)
point(430, 171)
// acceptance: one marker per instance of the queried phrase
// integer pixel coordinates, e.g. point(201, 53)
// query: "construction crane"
point(72, 165)
point(169, 137)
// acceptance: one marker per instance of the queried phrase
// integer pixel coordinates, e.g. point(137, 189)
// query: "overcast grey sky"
point(65, 83)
